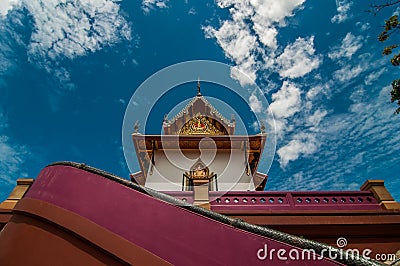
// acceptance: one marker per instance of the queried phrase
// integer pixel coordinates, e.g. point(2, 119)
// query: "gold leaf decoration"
point(199, 125)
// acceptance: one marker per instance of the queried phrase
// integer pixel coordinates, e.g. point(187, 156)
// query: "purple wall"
point(175, 234)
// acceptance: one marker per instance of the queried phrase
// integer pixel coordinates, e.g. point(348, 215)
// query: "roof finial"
point(198, 87)
point(262, 128)
point(136, 127)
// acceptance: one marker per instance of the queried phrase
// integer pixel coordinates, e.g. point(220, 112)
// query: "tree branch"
point(378, 8)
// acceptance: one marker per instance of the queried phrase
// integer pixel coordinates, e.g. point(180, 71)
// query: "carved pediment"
point(199, 170)
point(199, 125)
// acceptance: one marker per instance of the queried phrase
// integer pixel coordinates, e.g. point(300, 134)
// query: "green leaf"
point(383, 36)
point(391, 23)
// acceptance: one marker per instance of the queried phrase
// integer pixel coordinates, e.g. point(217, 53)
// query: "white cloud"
point(251, 33)
point(366, 123)
point(269, 12)
point(349, 46)
point(301, 144)
point(363, 26)
point(347, 73)
point(255, 104)
point(304, 143)
point(7, 5)
point(61, 30)
point(316, 118)
point(235, 39)
point(192, 11)
point(245, 73)
point(148, 5)
point(286, 102)
point(11, 43)
point(317, 90)
point(12, 156)
point(358, 94)
point(298, 58)
point(350, 147)
point(238, 44)
point(343, 9)
point(69, 29)
point(298, 178)
point(267, 36)
point(374, 76)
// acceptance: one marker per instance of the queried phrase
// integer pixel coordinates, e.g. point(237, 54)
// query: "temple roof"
point(199, 106)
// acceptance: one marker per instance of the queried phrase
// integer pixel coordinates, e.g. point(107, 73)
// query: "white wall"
point(171, 164)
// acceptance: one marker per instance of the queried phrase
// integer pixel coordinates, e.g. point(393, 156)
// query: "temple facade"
point(199, 146)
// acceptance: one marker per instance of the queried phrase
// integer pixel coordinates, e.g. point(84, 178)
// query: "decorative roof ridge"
point(207, 103)
point(217, 114)
point(185, 109)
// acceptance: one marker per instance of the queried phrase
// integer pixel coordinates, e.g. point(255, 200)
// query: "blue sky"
point(69, 68)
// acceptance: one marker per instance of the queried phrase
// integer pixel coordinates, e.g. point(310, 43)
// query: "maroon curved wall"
point(72, 213)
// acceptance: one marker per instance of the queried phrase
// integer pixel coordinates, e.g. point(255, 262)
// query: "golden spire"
point(198, 87)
